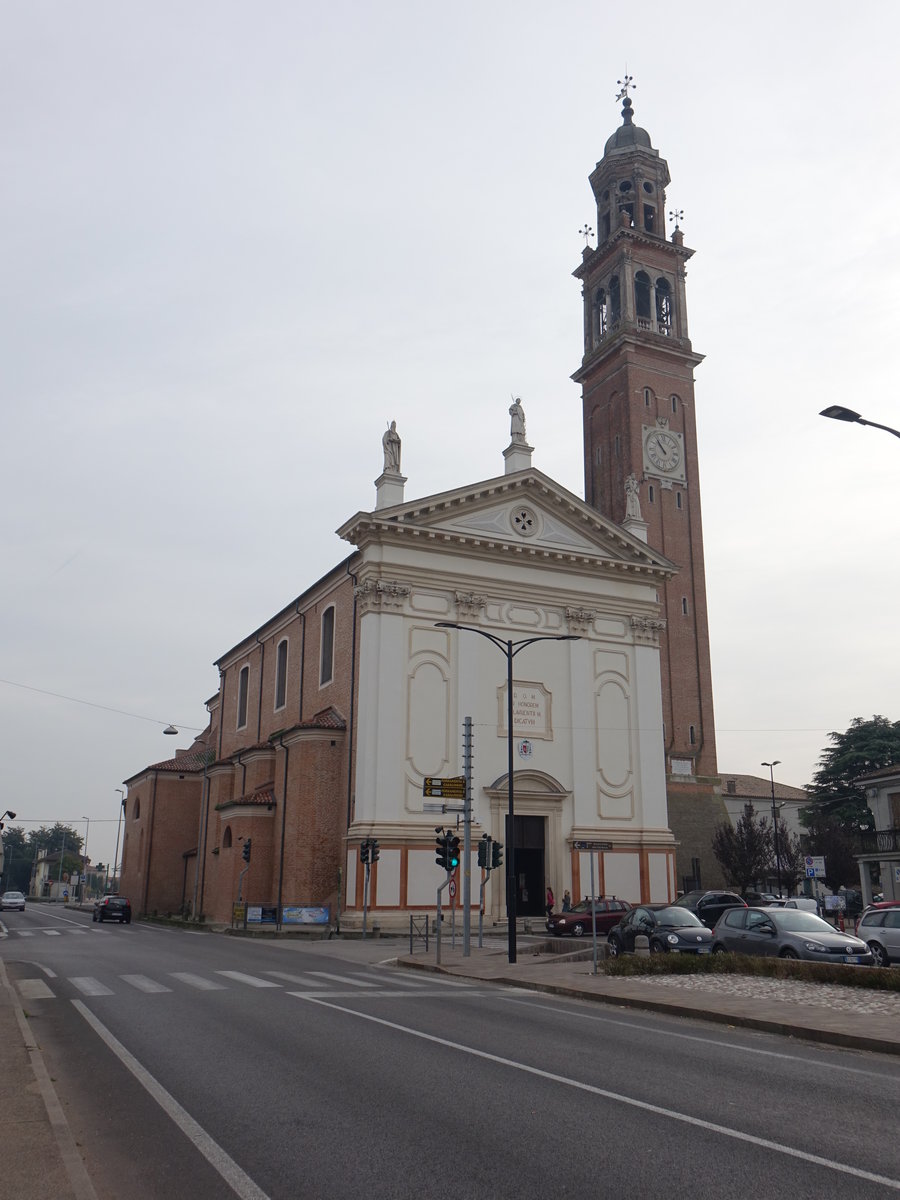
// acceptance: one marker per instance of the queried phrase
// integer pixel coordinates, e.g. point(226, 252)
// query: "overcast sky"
point(241, 237)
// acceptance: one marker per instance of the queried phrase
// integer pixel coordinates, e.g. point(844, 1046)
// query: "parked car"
point(760, 898)
point(668, 928)
point(806, 903)
point(787, 933)
point(879, 928)
point(878, 904)
point(709, 906)
point(12, 901)
point(113, 908)
point(577, 921)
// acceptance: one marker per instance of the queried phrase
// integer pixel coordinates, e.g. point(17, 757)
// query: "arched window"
point(692, 733)
point(226, 838)
point(663, 307)
point(137, 810)
point(600, 314)
point(615, 301)
point(326, 647)
point(243, 693)
point(642, 297)
point(281, 658)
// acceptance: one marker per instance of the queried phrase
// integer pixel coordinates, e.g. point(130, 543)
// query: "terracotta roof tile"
point(261, 797)
point(755, 787)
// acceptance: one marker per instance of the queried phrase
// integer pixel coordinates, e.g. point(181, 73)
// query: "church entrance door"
point(530, 885)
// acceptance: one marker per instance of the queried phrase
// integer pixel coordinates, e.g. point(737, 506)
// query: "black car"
point(669, 929)
point(709, 906)
point(113, 908)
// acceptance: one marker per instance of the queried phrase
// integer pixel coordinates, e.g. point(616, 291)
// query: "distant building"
point(882, 846)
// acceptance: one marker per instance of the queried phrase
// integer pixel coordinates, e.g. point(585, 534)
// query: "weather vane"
point(587, 233)
point(676, 215)
point(624, 85)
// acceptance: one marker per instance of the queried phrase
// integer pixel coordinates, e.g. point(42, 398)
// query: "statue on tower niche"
point(632, 497)
point(390, 443)
point(517, 421)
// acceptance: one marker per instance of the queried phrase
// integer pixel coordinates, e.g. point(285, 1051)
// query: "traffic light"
point(453, 851)
point(483, 851)
point(496, 855)
point(441, 850)
point(364, 852)
point(373, 848)
point(245, 853)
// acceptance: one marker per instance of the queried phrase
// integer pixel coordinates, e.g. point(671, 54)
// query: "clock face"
point(663, 450)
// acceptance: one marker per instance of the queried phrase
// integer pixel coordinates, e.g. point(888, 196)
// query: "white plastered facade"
point(518, 556)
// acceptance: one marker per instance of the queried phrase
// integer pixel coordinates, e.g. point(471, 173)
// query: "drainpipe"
point(262, 664)
point(287, 759)
point(302, 660)
point(352, 706)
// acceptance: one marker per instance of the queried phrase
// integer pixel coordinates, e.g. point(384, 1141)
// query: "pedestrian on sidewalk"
point(550, 901)
point(567, 901)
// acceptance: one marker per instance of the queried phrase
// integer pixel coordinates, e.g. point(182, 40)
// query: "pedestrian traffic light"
point(453, 851)
point(245, 852)
point(484, 851)
point(373, 850)
point(440, 849)
point(496, 855)
point(364, 852)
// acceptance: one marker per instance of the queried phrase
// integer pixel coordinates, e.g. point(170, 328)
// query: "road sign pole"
point(467, 837)
point(593, 913)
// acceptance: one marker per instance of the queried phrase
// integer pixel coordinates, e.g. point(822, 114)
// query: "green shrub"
point(873, 978)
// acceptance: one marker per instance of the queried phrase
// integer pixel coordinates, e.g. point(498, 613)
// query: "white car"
point(805, 902)
point(12, 900)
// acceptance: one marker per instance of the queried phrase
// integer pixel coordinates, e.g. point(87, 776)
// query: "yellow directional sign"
point(453, 788)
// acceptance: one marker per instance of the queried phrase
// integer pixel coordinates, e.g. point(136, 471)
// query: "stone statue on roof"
point(390, 443)
point(632, 497)
point(517, 421)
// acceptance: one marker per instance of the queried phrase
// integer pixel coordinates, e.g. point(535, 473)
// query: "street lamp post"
point(84, 859)
point(772, 766)
point(510, 649)
point(838, 413)
point(118, 831)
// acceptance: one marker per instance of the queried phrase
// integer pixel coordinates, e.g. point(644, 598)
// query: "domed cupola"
point(628, 135)
point(630, 179)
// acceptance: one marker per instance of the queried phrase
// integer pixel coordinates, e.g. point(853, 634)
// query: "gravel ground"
point(812, 995)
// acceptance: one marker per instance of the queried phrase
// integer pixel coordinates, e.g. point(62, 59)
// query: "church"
point(332, 715)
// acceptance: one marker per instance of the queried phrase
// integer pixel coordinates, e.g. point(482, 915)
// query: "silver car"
point(880, 930)
point(787, 933)
point(12, 900)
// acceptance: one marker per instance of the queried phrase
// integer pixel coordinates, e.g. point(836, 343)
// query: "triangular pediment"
point(521, 512)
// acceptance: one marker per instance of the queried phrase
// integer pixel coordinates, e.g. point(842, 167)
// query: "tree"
point(744, 850)
point(60, 837)
point(792, 859)
point(864, 747)
point(827, 836)
point(16, 861)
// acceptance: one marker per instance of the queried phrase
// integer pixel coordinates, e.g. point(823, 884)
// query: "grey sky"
point(240, 237)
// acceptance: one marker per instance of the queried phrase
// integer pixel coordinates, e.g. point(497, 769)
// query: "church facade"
point(330, 717)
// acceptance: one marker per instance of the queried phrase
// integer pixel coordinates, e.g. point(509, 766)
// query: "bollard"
point(642, 945)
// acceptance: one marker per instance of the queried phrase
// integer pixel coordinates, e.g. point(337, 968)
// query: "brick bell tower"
point(637, 380)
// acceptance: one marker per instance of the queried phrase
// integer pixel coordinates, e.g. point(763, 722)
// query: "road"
point(194, 1064)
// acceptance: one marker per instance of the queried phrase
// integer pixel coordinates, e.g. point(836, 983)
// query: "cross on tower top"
point(624, 85)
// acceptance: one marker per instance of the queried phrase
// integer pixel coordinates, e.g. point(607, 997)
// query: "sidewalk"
point(40, 1152)
point(788, 1008)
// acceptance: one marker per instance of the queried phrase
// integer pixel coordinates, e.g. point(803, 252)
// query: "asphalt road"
point(192, 1064)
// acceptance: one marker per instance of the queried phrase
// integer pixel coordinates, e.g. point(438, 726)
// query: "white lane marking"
point(239, 1181)
point(52, 932)
point(617, 1097)
point(250, 980)
point(295, 978)
point(50, 974)
point(34, 989)
point(144, 984)
point(197, 981)
point(385, 995)
point(410, 983)
point(693, 1037)
point(344, 979)
point(25, 932)
point(90, 987)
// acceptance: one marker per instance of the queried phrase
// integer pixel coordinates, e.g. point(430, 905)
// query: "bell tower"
point(637, 381)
